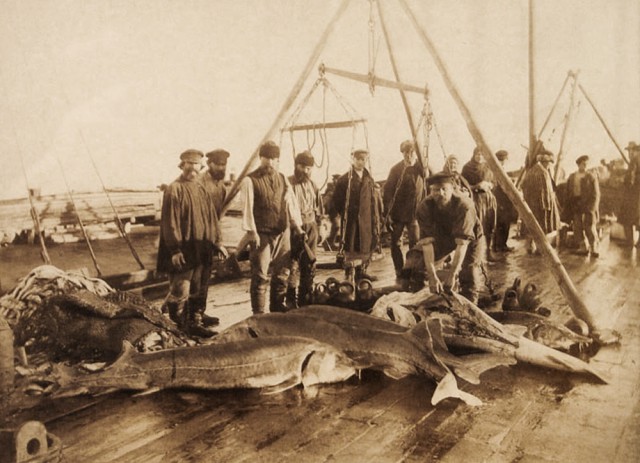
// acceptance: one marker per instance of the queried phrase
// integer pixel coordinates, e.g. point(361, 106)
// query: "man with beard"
point(449, 223)
point(403, 191)
point(213, 178)
point(357, 201)
point(269, 212)
point(480, 177)
point(451, 166)
point(213, 181)
point(189, 230)
point(303, 248)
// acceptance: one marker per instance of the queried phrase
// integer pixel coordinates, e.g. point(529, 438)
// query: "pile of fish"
point(324, 344)
point(66, 315)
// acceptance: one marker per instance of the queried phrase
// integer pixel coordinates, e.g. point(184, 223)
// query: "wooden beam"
point(559, 272)
point(403, 96)
point(377, 81)
point(293, 94)
point(532, 84)
point(603, 123)
point(567, 123)
point(324, 125)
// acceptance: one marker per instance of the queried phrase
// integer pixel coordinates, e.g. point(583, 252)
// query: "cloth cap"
point(545, 155)
point(406, 146)
point(581, 159)
point(477, 150)
point(452, 157)
point(218, 156)
point(502, 155)
point(305, 158)
point(270, 150)
point(192, 156)
point(441, 178)
point(359, 153)
point(632, 146)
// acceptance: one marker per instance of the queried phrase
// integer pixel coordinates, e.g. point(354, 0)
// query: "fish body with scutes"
point(369, 342)
point(274, 364)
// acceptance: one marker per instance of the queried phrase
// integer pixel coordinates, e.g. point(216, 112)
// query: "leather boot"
point(277, 295)
point(199, 306)
point(176, 312)
point(258, 293)
point(196, 328)
point(361, 272)
point(291, 298)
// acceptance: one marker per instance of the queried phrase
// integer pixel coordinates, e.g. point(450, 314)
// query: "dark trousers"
point(303, 266)
point(397, 229)
point(501, 233)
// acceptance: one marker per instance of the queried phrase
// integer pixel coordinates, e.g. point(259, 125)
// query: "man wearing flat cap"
point(449, 224)
point(480, 177)
point(629, 214)
point(189, 230)
point(356, 199)
point(270, 211)
point(539, 193)
point(506, 213)
point(213, 177)
point(303, 247)
point(581, 205)
point(403, 191)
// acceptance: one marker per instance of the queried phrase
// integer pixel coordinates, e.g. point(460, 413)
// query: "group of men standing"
point(450, 213)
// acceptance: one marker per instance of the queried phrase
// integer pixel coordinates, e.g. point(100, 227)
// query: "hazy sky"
point(132, 83)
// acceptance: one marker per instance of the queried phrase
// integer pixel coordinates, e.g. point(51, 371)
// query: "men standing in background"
point(506, 213)
point(480, 177)
point(583, 203)
point(403, 191)
point(189, 230)
point(269, 211)
point(539, 194)
point(355, 199)
point(303, 247)
point(629, 213)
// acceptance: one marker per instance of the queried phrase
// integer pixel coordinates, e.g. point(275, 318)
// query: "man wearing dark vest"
point(269, 211)
point(189, 231)
point(403, 191)
point(303, 248)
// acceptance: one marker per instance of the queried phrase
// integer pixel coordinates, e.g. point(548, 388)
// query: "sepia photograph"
point(320, 231)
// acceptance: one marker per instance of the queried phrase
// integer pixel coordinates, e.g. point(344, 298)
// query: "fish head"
point(324, 364)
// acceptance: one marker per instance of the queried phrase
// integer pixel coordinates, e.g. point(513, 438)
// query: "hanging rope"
point(372, 47)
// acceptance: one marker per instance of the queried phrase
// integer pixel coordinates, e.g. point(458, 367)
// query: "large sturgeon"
point(276, 364)
point(364, 339)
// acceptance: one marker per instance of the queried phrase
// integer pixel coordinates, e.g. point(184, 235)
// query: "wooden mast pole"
point(532, 90)
point(567, 123)
point(603, 123)
point(403, 96)
point(295, 91)
point(559, 272)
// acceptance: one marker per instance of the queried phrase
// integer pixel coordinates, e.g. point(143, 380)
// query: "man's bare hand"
point(435, 285)
point(178, 260)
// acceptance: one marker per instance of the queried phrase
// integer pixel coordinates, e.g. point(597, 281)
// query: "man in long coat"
point(357, 201)
point(582, 203)
point(403, 191)
point(629, 213)
point(539, 193)
point(189, 231)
